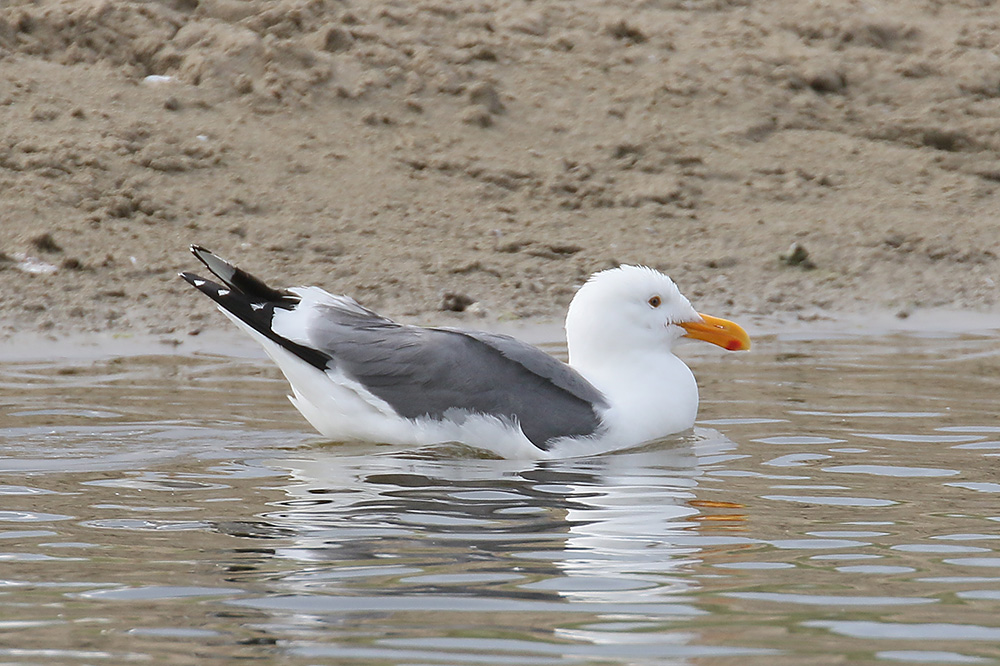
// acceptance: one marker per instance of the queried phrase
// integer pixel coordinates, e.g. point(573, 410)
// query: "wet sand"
point(499, 151)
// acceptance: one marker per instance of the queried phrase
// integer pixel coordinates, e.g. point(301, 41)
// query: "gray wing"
point(432, 371)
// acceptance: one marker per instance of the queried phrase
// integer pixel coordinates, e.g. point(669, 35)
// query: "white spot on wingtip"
point(224, 292)
point(199, 283)
point(257, 306)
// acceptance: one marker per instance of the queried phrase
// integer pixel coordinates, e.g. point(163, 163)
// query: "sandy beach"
point(473, 163)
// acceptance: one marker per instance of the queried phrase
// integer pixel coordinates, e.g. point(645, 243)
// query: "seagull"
point(356, 375)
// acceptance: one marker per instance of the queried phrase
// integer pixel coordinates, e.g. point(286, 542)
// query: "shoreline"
point(227, 340)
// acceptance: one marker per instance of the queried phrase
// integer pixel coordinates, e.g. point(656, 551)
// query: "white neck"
point(650, 394)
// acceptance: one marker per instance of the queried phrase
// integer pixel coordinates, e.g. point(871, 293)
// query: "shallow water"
point(837, 502)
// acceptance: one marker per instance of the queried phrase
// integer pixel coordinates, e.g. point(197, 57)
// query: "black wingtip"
point(220, 268)
point(207, 287)
point(191, 278)
point(201, 252)
point(254, 310)
point(238, 279)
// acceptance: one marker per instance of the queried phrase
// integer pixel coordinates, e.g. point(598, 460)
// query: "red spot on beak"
point(734, 345)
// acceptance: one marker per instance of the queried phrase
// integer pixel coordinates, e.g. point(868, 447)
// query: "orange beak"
point(720, 332)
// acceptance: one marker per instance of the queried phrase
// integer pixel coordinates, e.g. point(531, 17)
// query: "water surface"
point(838, 501)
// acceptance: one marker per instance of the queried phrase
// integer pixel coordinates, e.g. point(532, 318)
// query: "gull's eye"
point(654, 301)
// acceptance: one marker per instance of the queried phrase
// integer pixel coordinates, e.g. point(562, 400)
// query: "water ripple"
point(827, 600)
point(833, 503)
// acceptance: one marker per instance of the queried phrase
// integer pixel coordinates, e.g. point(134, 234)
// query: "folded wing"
point(436, 373)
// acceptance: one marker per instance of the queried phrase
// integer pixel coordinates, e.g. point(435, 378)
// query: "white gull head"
point(623, 310)
point(620, 331)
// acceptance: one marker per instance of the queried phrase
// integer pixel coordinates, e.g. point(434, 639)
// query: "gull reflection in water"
point(625, 517)
point(432, 531)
